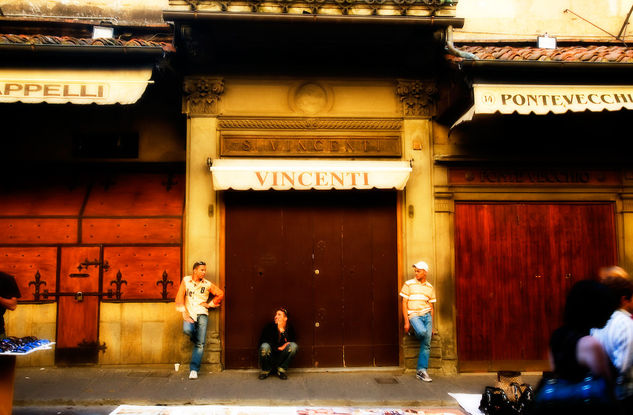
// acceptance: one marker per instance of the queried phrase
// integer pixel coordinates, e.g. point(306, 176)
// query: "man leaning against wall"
point(418, 297)
point(196, 295)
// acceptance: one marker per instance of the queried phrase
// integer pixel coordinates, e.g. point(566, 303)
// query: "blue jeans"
point(277, 360)
point(423, 330)
point(197, 333)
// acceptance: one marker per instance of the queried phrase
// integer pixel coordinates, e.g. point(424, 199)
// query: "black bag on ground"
point(494, 401)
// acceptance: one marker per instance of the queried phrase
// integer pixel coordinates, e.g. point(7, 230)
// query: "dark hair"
point(589, 305)
point(283, 310)
point(198, 263)
point(620, 286)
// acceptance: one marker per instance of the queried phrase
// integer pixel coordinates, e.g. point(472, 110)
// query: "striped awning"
point(76, 86)
point(546, 99)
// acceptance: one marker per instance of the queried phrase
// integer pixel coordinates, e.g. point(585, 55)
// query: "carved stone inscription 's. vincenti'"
point(338, 146)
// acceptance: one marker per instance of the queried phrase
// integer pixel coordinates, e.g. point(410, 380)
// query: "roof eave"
point(123, 51)
point(547, 65)
point(431, 21)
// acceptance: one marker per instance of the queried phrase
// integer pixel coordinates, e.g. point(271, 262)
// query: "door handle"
point(79, 296)
point(79, 275)
point(316, 272)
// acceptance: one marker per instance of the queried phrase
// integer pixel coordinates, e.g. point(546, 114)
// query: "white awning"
point(77, 86)
point(260, 174)
point(544, 99)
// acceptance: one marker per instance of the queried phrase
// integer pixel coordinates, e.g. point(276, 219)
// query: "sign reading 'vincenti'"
point(285, 174)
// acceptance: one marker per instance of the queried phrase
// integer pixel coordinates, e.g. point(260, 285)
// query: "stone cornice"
point(323, 7)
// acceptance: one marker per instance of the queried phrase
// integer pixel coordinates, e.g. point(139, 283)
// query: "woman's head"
point(589, 305)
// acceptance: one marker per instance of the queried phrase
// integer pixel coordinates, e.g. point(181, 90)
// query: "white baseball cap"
point(421, 265)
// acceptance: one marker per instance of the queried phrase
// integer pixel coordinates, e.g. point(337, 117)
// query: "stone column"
point(417, 99)
point(624, 209)
point(201, 103)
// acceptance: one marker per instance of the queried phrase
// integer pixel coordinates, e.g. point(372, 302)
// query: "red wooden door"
point(78, 306)
point(514, 265)
point(330, 258)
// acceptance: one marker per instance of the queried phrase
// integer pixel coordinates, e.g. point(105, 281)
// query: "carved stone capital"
point(417, 98)
point(627, 202)
point(201, 95)
point(444, 202)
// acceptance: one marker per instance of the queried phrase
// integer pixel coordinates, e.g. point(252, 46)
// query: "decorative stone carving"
point(627, 202)
point(341, 7)
point(310, 123)
point(417, 97)
point(310, 98)
point(202, 95)
point(193, 4)
point(444, 202)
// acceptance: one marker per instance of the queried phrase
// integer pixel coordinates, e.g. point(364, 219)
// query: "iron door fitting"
point(79, 295)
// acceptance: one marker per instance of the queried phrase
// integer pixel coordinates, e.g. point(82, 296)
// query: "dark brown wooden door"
point(514, 265)
point(78, 313)
point(330, 258)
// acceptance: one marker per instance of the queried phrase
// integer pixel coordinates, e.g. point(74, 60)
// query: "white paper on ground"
point(469, 402)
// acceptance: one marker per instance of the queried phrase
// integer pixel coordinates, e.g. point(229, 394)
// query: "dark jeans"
point(280, 360)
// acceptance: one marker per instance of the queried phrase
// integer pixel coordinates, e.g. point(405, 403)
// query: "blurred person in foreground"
point(617, 336)
point(9, 294)
point(574, 354)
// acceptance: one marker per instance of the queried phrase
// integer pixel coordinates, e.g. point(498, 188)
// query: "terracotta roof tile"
point(592, 53)
point(9, 39)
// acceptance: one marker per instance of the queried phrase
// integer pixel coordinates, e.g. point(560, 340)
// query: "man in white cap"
point(418, 297)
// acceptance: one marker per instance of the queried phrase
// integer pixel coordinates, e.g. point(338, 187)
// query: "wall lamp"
point(546, 42)
point(102, 32)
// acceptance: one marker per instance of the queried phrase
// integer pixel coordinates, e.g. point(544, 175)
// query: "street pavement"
point(99, 390)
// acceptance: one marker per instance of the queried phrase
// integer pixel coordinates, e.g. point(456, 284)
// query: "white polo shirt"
point(196, 293)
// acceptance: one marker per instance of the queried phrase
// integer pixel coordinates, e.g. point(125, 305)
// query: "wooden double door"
point(330, 258)
point(514, 264)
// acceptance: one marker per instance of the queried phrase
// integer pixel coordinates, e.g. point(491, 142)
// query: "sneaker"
point(263, 375)
point(193, 375)
point(282, 375)
point(423, 376)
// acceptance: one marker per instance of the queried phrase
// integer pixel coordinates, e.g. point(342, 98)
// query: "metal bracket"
point(93, 263)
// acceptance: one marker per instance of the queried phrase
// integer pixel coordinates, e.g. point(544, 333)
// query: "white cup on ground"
point(176, 366)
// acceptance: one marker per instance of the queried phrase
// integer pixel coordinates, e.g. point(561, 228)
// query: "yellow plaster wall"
point(350, 98)
point(37, 320)
point(201, 207)
point(524, 20)
point(137, 12)
point(418, 216)
point(142, 333)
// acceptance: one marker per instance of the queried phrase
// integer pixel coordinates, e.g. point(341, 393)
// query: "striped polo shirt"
point(420, 296)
